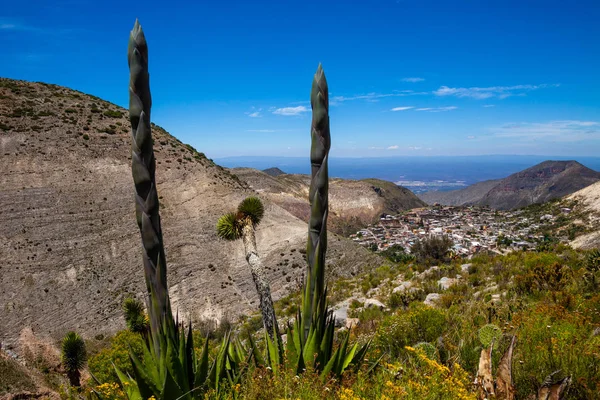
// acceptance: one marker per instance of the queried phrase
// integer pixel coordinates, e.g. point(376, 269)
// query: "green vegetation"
point(433, 250)
point(135, 316)
point(73, 357)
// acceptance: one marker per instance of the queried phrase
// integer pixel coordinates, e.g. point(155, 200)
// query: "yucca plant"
point(73, 357)
point(242, 224)
point(311, 340)
point(136, 318)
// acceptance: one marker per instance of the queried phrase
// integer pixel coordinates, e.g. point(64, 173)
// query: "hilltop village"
point(471, 229)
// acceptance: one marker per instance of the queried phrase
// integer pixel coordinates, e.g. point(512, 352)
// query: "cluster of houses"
point(471, 229)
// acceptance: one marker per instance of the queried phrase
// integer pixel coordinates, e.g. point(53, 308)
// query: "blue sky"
point(405, 77)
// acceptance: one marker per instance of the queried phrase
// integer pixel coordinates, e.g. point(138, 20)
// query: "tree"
point(432, 250)
point(73, 357)
point(242, 224)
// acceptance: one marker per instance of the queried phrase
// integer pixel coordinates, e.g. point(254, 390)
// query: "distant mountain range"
point(540, 183)
point(353, 204)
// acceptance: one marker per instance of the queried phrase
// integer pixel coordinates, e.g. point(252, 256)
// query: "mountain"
point(353, 204)
point(69, 242)
point(589, 200)
point(540, 183)
point(274, 171)
point(469, 195)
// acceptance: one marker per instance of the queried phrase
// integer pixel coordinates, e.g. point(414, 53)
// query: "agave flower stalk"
point(318, 197)
point(143, 167)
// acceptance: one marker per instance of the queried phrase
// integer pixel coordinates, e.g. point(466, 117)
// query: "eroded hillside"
point(353, 204)
point(70, 246)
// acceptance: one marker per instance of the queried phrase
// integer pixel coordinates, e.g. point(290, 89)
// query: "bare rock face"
point(68, 237)
point(353, 203)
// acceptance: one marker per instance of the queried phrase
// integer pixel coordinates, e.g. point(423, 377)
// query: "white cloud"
point(413, 148)
point(290, 111)
point(500, 92)
point(375, 148)
point(413, 80)
point(8, 26)
point(489, 105)
point(401, 108)
point(394, 147)
point(437, 109)
point(471, 137)
point(373, 97)
point(559, 131)
point(260, 130)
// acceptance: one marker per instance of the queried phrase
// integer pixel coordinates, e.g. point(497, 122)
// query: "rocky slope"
point(540, 183)
point(469, 195)
point(352, 204)
point(589, 199)
point(68, 239)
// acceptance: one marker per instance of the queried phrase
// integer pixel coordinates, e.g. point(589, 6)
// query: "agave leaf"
point(202, 367)
point(291, 351)
point(272, 353)
point(146, 386)
point(311, 347)
point(331, 364)
point(258, 359)
point(171, 390)
point(131, 388)
point(190, 357)
point(175, 369)
point(349, 357)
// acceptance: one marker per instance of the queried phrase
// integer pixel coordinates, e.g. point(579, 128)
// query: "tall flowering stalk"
point(143, 167)
point(170, 369)
point(311, 339)
point(316, 247)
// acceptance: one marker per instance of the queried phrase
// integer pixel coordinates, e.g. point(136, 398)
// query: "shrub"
point(101, 364)
point(418, 324)
point(113, 114)
point(432, 250)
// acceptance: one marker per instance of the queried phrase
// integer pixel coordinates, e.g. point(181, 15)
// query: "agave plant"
point(169, 368)
point(311, 340)
point(73, 357)
point(242, 224)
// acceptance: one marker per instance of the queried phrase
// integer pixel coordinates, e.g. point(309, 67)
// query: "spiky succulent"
point(593, 261)
point(135, 315)
point(488, 334)
point(251, 207)
point(73, 353)
point(428, 349)
point(229, 227)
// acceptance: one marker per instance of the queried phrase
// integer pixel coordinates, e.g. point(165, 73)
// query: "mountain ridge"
point(540, 183)
point(353, 203)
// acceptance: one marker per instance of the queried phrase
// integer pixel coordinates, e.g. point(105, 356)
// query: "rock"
point(340, 315)
point(371, 303)
point(465, 267)
point(403, 287)
point(351, 323)
point(446, 282)
point(431, 299)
